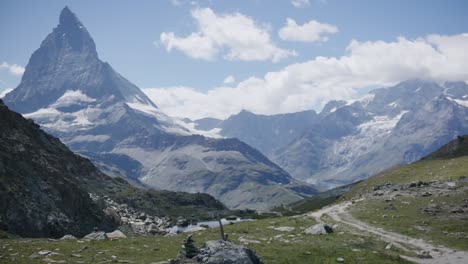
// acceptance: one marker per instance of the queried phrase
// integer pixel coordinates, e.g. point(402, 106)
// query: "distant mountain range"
point(99, 114)
point(347, 142)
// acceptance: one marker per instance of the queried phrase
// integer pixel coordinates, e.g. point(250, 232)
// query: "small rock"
point(319, 229)
point(379, 193)
point(116, 234)
point(284, 228)
point(457, 210)
point(96, 236)
point(388, 246)
point(424, 255)
point(248, 241)
point(340, 260)
point(68, 237)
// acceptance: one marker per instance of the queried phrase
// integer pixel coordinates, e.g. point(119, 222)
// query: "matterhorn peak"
point(68, 18)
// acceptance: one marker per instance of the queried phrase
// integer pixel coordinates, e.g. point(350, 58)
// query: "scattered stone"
point(319, 229)
point(426, 194)
point(379, 193)
point(432, 209)
point(340, 260)
point(463, 179)
point(116, 234)
point(182, 222)
point(388, 246)
point(96, 236)
point(424, 255)
point(83, 249)
point(457, 210)
point(68, 237)
point(205, 226)
point(49, 260)
point(248, 241)
point(390, 207)
point(284, 228)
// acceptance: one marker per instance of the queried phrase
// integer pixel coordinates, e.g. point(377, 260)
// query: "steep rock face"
point(45, 188)
point(40, 194)
point(98, 113)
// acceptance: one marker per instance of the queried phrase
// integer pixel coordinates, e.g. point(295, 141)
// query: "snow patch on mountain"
point(459, 102)
point(191, 126)
point(4, 92)
point(71, 98)
point(54, 119)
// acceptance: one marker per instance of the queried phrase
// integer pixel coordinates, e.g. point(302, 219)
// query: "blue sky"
point(126, 32)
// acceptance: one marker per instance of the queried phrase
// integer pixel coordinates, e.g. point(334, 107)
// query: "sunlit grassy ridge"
point(423, 170)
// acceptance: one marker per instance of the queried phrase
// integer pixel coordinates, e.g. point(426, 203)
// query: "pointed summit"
point(68, 18)
point(68, 61)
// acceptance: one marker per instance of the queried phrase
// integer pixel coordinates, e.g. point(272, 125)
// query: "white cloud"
point(229, 79)
point(4, 92)
point(310, 84)
point(235, 36)
point(13, 69)
point(311, 31)
point(300, 3)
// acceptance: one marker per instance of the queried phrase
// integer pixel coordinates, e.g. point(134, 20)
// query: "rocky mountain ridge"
point(347, 142)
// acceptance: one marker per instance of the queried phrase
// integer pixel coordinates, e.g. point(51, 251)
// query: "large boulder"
point(319, 229)
point(116, 234)
point(214, 252)
point(226, 252)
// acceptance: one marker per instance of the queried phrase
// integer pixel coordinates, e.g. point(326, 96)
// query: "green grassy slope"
point(274, 247)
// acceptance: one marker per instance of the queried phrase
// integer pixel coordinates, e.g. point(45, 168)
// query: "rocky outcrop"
point(131, 220)
point(214, 252)
point(318, 229)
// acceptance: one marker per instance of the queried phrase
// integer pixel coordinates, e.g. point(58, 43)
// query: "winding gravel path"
point(440, 254)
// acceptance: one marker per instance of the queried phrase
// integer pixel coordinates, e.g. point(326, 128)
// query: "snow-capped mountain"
point(75, 96)
point(347, 142)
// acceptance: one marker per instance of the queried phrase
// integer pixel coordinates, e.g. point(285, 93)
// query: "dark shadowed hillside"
point(44, 187)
